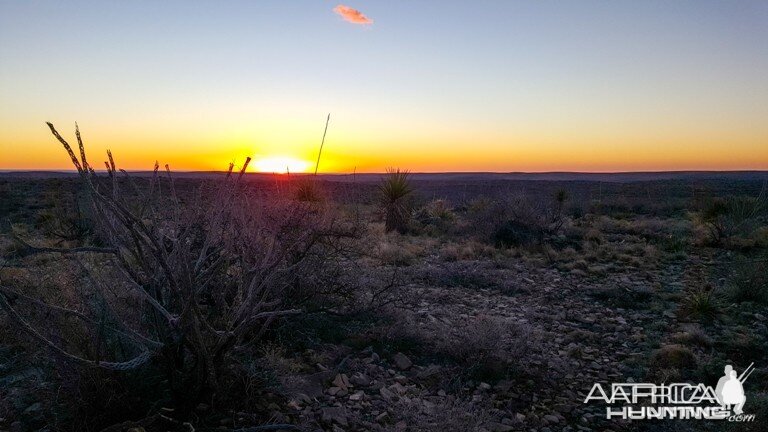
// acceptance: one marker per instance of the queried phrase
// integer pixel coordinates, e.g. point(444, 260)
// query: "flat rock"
point(334, 415)
point(402, 362)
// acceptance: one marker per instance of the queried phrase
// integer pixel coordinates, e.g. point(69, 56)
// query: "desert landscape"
point(384, 302)
point(432, 216)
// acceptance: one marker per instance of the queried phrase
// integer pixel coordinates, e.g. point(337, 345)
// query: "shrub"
point(187, 283)
point(487, 346)
point(394, 192)
point(726, 217)
point(749, 281)
point(673, 357)
point(518, 222)
point(437, 215)
point(516, 233)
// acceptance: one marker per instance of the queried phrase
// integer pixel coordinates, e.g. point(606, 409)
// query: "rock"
point(302, 398)
point(398, 388)
point(386, 394)
point(334, 415)
point(402, 362)
point(341, 381)
point(381, 418)
point(357, 396)
point(500, 427)
point(553, 419)
point(361, 380)
point(34, 408)
point(484, 386)
point(430, 371)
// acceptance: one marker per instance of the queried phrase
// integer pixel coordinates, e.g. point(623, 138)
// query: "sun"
point(281, 164)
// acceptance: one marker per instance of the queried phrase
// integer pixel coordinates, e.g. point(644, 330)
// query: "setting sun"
point(281, 164)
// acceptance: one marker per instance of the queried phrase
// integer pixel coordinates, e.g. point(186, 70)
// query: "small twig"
point(84, 249)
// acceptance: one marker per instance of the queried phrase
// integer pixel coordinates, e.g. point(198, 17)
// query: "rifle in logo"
point(730, 388)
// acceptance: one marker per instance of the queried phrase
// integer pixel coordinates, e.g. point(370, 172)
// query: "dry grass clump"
point(484, 347)
point(276, 358)
point(488, 347)
point(466, 251)
point(693, 337)
point(307, 189)
point(396, 249)
point(672, 357)
point(749, 281)
point(594, 235)
point(395, 254)
point(441, 415)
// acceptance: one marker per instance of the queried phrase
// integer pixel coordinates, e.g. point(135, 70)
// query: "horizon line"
point(72, 171)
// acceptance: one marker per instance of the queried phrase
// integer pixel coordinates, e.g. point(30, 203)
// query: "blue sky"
point(430, 85)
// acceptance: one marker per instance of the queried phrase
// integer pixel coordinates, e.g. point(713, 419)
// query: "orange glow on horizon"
point(280, 165)
point(280, 146)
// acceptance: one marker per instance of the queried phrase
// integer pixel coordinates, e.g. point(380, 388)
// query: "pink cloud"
point(352, 15)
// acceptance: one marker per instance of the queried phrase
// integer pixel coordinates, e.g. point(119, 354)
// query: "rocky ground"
point(578, 331)
point(482, 338)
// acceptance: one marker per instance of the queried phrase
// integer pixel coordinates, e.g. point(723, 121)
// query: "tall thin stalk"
point(317, 164)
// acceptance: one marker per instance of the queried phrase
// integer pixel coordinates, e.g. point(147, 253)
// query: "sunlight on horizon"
point(281, 164)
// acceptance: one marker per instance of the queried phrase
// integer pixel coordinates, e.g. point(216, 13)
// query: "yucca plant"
point(394, 192)
point(702, 303)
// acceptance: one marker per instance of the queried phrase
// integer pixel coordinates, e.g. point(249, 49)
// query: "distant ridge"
point(616, 177)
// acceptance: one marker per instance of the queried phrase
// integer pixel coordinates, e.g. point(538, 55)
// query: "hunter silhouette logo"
point(640, 401)
point(730, 388)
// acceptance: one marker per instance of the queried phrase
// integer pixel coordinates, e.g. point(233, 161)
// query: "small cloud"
point(352, 15)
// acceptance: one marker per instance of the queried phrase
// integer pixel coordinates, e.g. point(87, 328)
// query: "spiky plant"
point(702, 303)
point(394, 191)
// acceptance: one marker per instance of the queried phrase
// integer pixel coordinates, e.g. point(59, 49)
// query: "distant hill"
point(619, 177)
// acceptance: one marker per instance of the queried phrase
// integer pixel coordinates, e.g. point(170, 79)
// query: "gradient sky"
point(428, 85)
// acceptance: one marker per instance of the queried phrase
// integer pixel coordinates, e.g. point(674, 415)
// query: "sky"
point(429, 86)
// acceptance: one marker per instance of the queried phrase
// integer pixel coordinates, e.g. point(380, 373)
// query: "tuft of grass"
point(394, 192)
point(702, 303)
point(749, 281)
point(673, 357)
point(394, 254)
point(308, 190)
